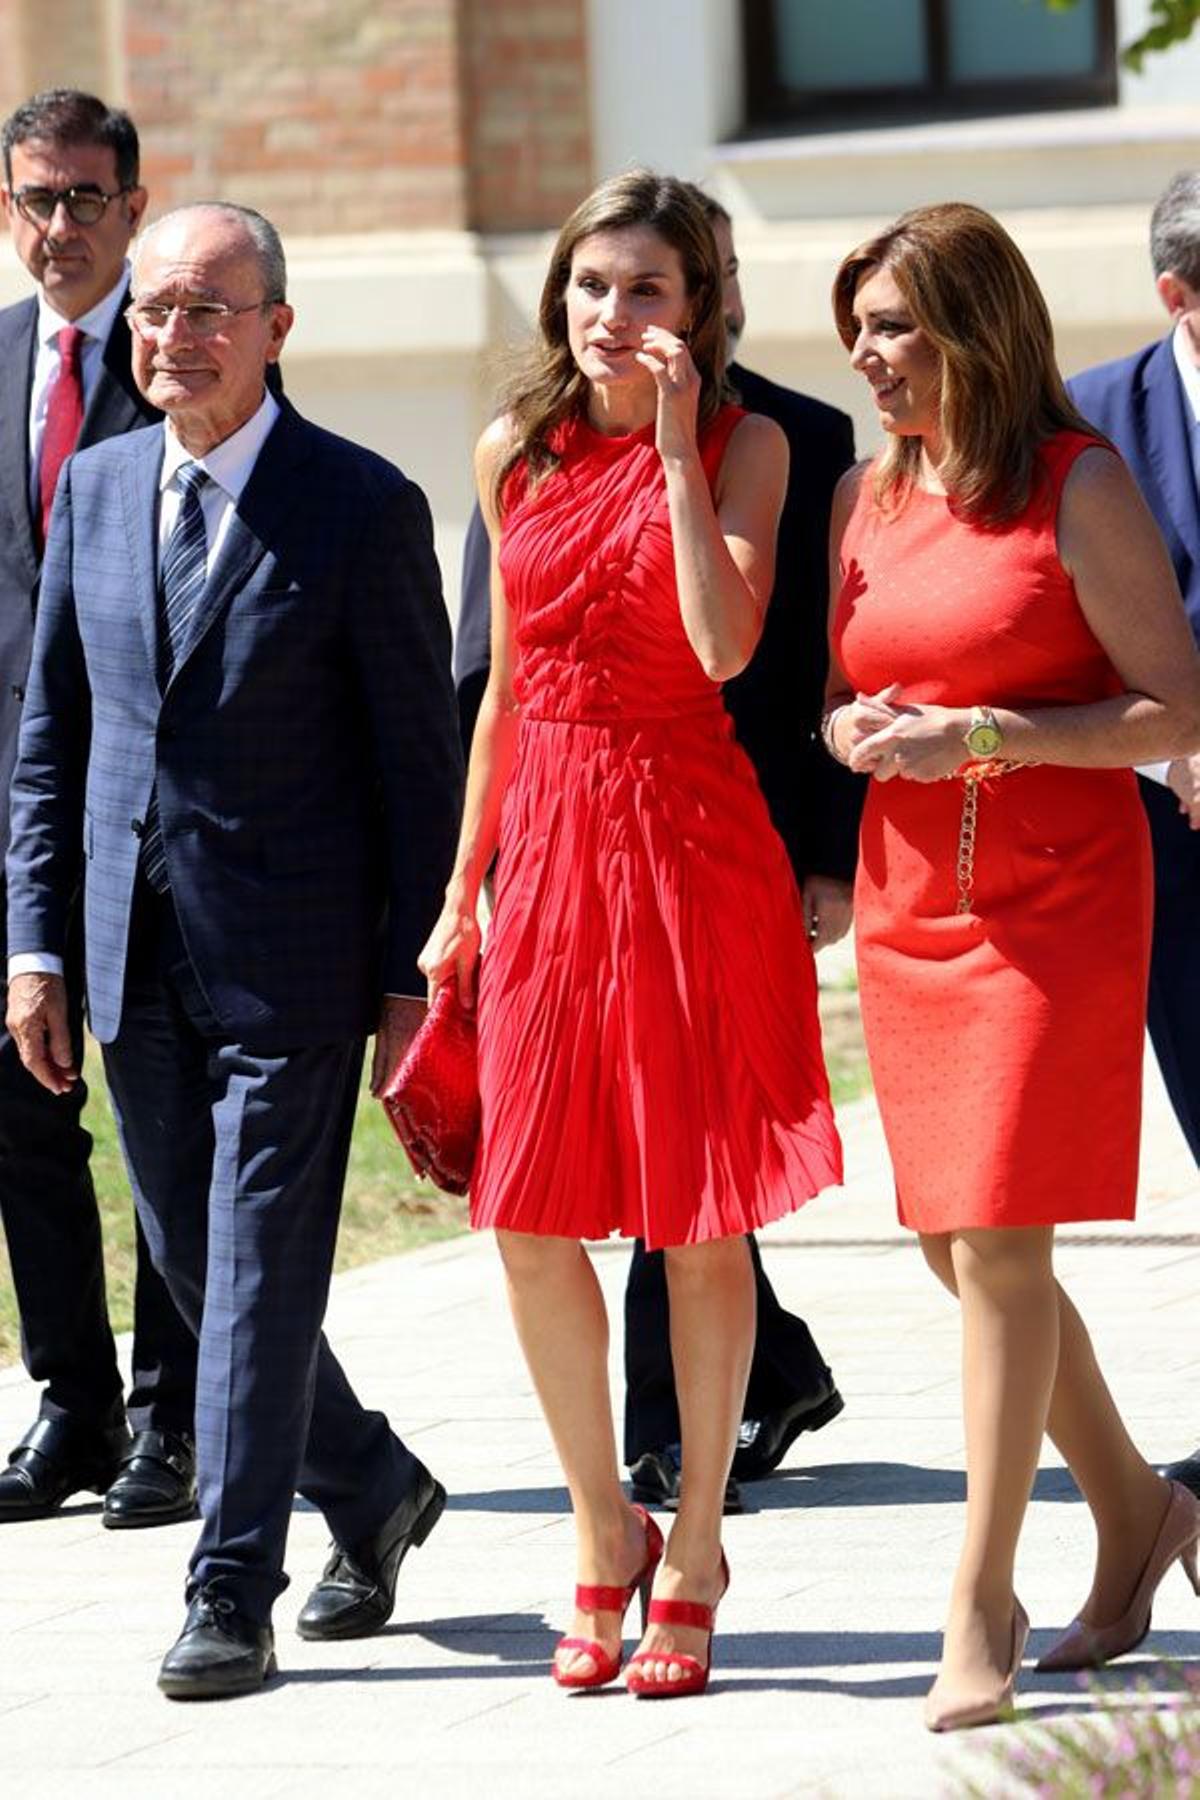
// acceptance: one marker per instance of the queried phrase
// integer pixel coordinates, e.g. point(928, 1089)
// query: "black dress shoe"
point(1186, 1472)
point(763, 1443)
point(156, 1483)
point(220, 1652)
point(654, 1480)
point(357, 1591)
point(56, 1458)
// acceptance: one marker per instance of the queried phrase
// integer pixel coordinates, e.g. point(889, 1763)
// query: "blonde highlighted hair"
point(547, 387)
point(972, 293)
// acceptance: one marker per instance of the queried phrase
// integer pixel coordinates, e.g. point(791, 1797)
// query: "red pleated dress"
point(650, 1058)
point(1005, 1042)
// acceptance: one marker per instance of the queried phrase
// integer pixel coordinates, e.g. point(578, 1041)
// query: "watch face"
point(984, 740)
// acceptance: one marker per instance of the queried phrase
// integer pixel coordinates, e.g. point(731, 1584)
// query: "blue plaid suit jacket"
point(306, 749)
point(1138, 402)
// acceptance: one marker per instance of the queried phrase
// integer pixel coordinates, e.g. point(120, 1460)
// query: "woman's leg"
point(1010, 1314)
point(712, 1342)
point(1127, 1499)
point(563, 1329)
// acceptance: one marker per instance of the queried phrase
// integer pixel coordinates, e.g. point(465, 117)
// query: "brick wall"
point(333, 115)
point(527, 111)
point(326, 117)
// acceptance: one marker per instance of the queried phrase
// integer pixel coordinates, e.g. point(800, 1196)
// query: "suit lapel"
point(18, 346)
point(264, 506)
point(139, 484)
point(1164, 429)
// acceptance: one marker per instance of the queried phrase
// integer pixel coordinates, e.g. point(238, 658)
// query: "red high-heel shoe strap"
point(681, 1612)
point(592, 1597)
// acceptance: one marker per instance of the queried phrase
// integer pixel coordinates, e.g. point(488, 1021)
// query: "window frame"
point(770, 104)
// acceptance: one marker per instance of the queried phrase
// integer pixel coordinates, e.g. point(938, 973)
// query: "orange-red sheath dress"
point(1005, 1042)
point(650, 1058)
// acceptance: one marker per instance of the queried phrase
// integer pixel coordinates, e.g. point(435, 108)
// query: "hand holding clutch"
point(433, 1098)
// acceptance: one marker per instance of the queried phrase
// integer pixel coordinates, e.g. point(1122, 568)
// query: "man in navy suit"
point(73, 202)
point(240, 703)
point(1149, 405)
point(815, 803)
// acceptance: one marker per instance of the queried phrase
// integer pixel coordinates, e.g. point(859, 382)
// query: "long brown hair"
point(972, 293)
point(548, 387)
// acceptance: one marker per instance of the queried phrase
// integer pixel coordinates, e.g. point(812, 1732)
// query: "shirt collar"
point(1189, 374)
point(96, 323)
point(231, 462)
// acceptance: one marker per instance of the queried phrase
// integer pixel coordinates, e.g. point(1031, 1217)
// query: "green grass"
point(386, 1209)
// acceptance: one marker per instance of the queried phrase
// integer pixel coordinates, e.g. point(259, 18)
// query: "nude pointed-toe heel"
point(1084, 1646)
point(963, 1714)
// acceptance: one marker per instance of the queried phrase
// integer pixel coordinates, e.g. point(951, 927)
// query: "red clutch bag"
point(433, 1098)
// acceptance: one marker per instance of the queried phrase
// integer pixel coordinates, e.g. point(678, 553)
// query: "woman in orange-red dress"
point(1008, 640)
point(650, 1057)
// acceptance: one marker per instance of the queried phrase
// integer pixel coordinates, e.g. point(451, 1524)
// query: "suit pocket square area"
point(433, 1098)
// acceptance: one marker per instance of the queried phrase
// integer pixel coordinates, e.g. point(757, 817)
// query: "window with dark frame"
point(818, 63)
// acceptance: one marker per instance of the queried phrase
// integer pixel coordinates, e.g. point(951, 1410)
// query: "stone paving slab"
point(830, 1632)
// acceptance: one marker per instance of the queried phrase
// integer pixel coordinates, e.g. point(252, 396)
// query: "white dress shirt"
point(96, 325)
point(229, 467)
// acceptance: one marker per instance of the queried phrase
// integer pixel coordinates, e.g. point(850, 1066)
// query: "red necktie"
point(64, 416)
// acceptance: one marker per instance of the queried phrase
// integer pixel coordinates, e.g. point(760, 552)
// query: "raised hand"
point(677, 380)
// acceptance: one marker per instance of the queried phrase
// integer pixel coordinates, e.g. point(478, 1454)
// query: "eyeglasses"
point(203, 318)
point(85, 205)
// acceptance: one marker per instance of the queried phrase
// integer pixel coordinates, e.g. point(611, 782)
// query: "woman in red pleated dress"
point(650, 1058)
point(1008, 640)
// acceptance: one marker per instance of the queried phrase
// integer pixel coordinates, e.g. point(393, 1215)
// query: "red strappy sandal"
point(694, 1679)
point(606, 1665)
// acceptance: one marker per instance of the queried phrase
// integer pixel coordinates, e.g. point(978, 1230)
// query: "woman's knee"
point(529, 1257)
point(1005, 1260)
point(718, 1261)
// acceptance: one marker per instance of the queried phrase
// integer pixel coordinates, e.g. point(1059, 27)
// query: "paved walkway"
point(830, 1632)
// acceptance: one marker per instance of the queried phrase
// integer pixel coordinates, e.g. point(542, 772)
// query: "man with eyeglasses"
point(73, 202)
point(240, 700)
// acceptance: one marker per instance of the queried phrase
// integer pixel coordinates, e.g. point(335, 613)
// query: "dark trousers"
point(1174, 1002)
point(52, 1227)
point(238, 1159)
point(787, 1366)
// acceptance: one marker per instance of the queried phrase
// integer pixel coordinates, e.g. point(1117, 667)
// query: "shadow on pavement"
point(882, 1484)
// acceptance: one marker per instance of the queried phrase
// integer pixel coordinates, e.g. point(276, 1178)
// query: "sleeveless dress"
point(1006, 1041)
point(650, 1058)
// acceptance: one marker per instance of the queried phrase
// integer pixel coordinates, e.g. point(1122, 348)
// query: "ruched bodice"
point(589, 572)
point(649, 1052)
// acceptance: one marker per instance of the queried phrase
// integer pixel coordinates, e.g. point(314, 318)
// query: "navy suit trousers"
point(52, 1225)
point(1174, 1008)
point(238, 1160)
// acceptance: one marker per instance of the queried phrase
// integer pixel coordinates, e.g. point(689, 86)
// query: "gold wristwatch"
point(983, 737)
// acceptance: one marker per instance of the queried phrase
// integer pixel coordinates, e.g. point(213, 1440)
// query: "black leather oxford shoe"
point(763, 1443)
point(654, 1481)
point(219, 1653)
point(357, 1592)
point(1186, 1472)
point(155, 1484)
point(57, 1458)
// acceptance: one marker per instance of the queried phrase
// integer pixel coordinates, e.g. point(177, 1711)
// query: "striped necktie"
point(181, 583)
point(184, 560)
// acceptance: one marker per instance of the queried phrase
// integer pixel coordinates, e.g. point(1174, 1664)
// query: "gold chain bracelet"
point(968, 823)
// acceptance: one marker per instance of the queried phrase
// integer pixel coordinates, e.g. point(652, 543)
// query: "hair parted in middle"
point(974, 296)
point(548, 387)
